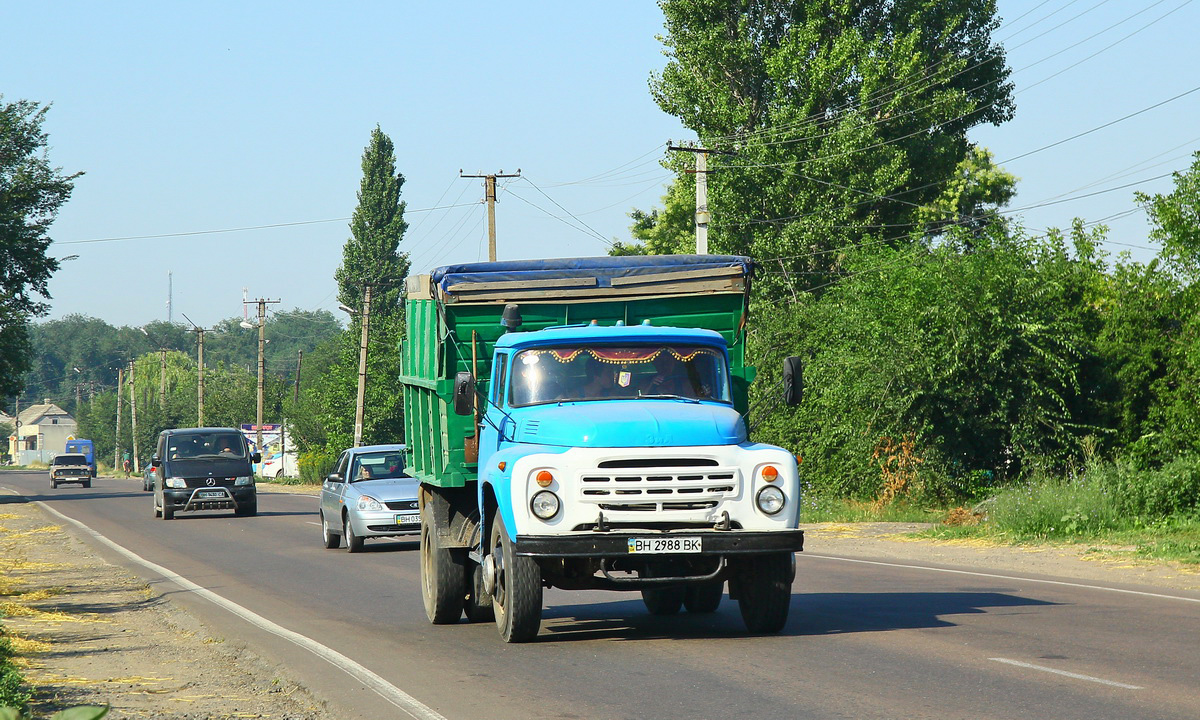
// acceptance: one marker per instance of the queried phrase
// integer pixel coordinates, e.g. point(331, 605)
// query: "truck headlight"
point(545, 504)
point(366, 502)
point(243, 480)
point(770, 499)
point(174, 482)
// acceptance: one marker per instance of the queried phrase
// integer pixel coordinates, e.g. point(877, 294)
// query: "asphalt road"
point(865, 640)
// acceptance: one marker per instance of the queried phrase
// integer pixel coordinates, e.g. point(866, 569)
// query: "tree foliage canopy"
point(370, 256)
point(847, 117)
point(31, 193)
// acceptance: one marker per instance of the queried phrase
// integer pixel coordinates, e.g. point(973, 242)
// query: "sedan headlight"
point(174, 482)
point(545, 504)
point(770, 499)
point(244, 480)
point(366, 502)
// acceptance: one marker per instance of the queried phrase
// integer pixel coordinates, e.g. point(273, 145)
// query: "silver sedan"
point(368, 495)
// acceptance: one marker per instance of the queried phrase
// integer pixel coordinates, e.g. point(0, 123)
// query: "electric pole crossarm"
point(489, 194)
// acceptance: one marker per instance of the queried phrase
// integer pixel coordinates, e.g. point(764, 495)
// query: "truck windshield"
point(617, 372)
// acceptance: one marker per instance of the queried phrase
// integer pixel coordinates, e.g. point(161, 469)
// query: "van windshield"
point(199, 446)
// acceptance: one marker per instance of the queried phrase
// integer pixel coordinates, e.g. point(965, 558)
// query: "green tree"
point(1176, 218)
point(847, 118)
point(31, 193)
point(371, 256)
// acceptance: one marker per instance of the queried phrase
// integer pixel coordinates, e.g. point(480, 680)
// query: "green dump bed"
point(453, 317)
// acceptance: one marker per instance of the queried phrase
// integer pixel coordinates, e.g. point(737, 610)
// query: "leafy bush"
point(11, 692)
point(315, 465)
point(1150, 494)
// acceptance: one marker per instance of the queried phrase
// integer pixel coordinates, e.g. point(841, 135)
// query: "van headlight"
point(244, 480)
point(770, 499)
point(545, 504)
point(174, 482)
point(366, 502)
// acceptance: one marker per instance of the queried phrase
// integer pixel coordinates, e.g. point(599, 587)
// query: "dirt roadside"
point(93, 633)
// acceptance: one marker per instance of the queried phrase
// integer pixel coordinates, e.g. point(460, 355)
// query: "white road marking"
point(1077, 676)
point(402, 700)
point(1003, 577)
point(310, 522)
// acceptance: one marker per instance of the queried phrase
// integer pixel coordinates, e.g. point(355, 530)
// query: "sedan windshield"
point(377, 465)
point(618, 372)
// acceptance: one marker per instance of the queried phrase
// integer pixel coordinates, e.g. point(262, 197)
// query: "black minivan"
point(203, 469)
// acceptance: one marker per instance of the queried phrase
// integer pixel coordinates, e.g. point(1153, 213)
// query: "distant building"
point(41, 433)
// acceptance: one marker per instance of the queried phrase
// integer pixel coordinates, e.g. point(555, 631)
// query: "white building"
point(41, 433)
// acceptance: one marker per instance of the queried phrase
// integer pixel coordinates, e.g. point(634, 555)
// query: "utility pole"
point(296, 389)
point(133, 417)
point(199, 369)
point(362, 369)
point(489, 193)
point(162, 382)
point(262, 318)
point(701, 172)
point(120, 397)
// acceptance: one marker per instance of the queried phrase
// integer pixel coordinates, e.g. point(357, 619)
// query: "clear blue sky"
point(189, 118)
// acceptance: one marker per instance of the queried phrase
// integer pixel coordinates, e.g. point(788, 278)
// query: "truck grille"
point(653, 485)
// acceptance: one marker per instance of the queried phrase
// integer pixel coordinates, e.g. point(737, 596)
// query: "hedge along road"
point(865, 639)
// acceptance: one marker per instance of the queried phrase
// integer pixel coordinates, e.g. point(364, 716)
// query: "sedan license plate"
point(666, 545)
point(409, 519)
point(211, 494)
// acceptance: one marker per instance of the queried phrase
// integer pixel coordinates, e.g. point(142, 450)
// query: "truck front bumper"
point(615, 544)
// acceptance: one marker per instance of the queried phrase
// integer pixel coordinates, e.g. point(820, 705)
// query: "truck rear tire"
point(704, 597)
point(478, 606)
point(765, 591)
point(517, 595)
point(443, 579)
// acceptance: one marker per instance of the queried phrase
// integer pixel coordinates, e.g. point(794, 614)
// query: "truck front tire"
point(764, 591)
point(517, 596)
point(443, 579)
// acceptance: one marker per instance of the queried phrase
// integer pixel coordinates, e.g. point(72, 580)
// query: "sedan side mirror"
point(333, 478)
point(793, 381)
point(464, 393)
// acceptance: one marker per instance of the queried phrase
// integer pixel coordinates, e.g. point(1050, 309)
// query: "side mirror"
point(333, 478)
point(793, 381)
point(155, 461)
point(464, 393)
point(256, 458)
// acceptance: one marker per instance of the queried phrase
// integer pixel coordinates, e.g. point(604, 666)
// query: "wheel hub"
point(489, 574)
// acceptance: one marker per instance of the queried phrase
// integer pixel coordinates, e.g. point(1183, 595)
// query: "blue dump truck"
point(87, 448)
point(581, 424)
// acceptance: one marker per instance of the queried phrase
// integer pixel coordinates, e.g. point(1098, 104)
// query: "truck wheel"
point(332, 540)
point(704, 597)
point(517, 595)
point(479, 604)
point(353, 542)
point(443, 580)
point(168, 512)
point(662, 600)
point(765, 591)
point(248, 509)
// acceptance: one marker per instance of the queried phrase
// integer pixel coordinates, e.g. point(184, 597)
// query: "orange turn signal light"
point(770, 473)
point(544, 478)
point(502, 465)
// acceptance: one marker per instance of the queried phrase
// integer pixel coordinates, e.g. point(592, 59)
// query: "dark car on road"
point(198, 469)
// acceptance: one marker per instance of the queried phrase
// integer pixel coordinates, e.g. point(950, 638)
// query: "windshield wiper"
point(669, 397)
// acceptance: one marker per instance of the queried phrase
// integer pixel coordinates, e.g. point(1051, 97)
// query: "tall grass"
point(1102, 499)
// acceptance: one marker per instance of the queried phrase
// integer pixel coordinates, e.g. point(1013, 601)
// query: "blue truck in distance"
point(580, 424)
point(87, 448)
